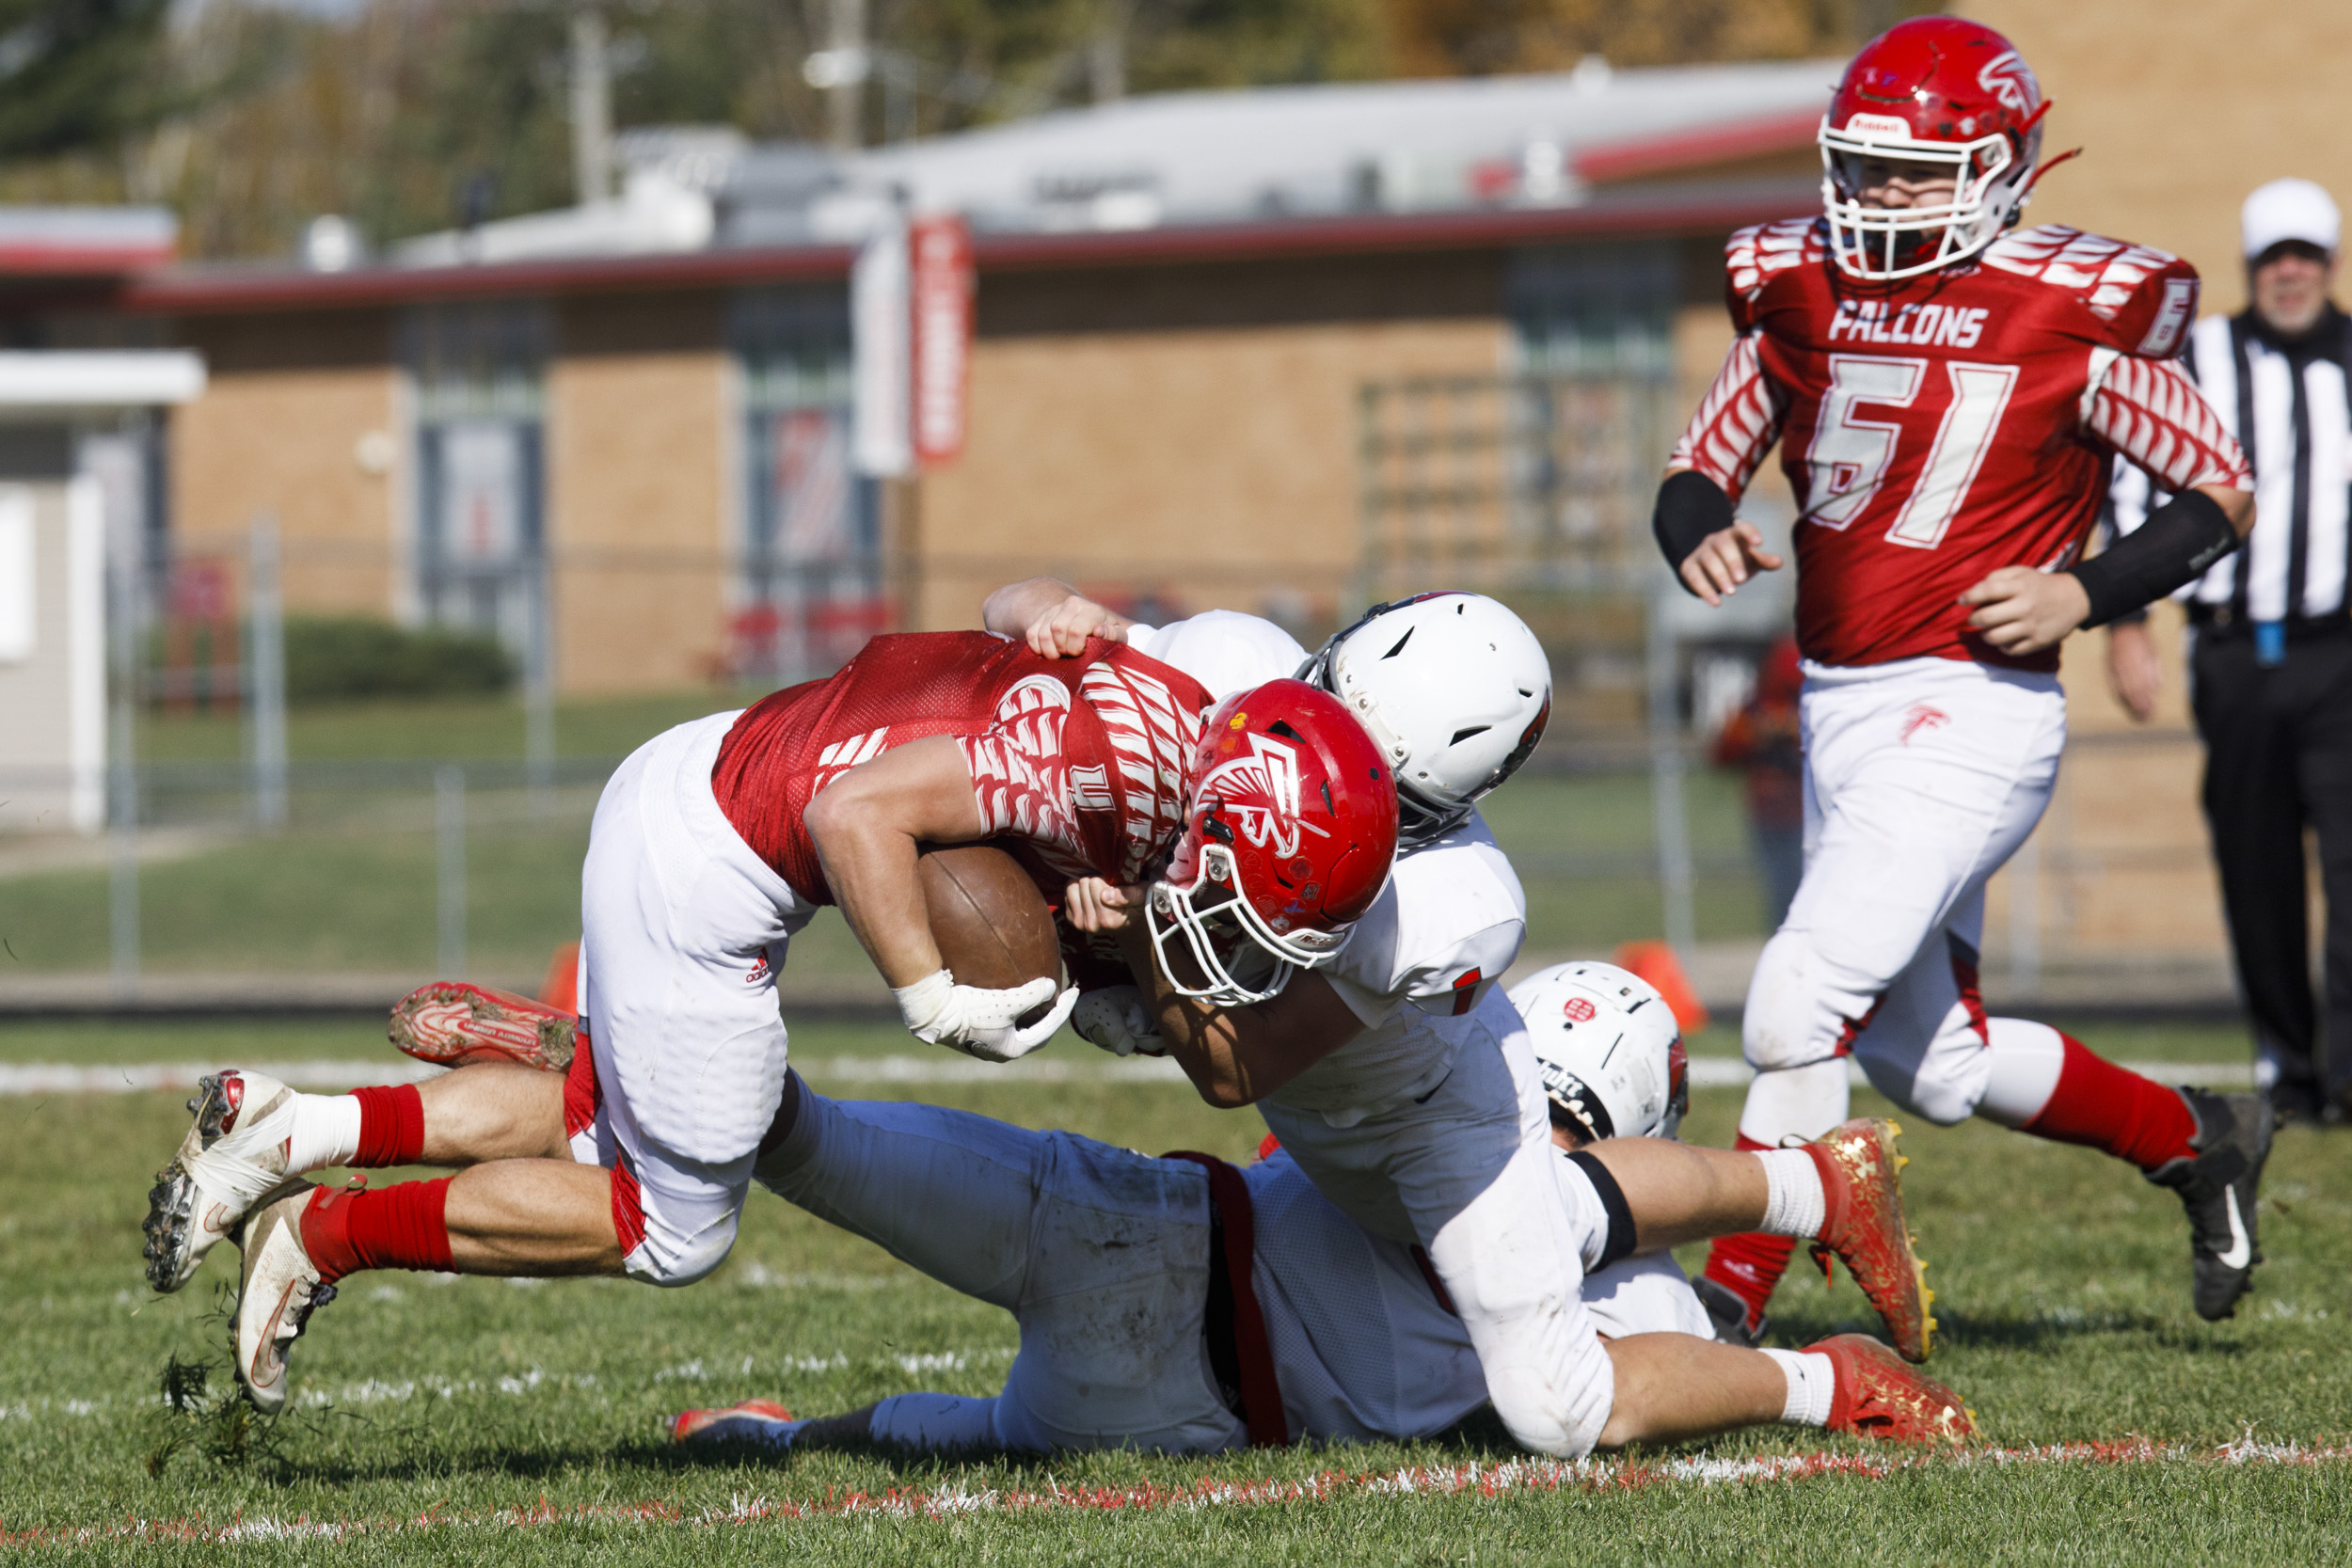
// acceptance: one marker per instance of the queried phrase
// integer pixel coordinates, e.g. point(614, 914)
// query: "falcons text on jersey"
point(1079, 763)
point(1941, 428)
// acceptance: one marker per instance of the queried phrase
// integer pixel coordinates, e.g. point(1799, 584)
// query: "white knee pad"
point(1794, 1014)
point(2028, 1058)
point(1513, 1265)
point(1799, 1102)
point(672, 1257)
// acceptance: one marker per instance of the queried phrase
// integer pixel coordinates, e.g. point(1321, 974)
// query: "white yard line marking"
point(961, 1501)
point(40, 1078)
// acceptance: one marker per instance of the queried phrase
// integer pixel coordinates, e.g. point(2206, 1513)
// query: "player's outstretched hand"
point(1093, 904)
point(1724, 560)
point(1061, 632)
point(982, 1024)
point(2020, 610)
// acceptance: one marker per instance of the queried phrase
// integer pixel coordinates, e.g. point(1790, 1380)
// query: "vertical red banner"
point(940, 251)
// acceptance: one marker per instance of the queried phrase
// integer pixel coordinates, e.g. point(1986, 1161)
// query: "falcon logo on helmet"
point(1288, 836)
point(1262, 793)
point(1608, 1050)
point(1950, 99)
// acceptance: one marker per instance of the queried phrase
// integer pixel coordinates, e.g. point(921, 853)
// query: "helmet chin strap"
point(2035, 178)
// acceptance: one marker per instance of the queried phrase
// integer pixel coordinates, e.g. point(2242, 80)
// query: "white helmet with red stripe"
point(1608, 1049)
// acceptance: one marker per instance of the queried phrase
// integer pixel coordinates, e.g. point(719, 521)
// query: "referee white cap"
point(2290, 210)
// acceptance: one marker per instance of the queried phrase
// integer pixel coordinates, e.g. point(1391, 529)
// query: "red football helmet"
point(1288, 836)
point(1940, 91)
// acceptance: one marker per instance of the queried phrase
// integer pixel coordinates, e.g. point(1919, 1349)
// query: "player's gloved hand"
point(981, 1022)
point(1116, 1018)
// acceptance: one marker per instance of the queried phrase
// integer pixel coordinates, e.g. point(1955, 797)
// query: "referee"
point(2270, 661)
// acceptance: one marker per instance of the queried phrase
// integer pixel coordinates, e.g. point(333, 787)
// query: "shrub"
point(329, 659)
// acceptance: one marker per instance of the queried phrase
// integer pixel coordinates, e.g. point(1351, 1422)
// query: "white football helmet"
point(1452, 688)
point(1609, 1051)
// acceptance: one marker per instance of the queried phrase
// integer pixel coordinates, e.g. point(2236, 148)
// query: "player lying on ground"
point(1396, 1077)
point(1949, 398)
point(1183, 1306)
point(711, 846)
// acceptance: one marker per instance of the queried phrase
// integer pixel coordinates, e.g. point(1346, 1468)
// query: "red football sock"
point(346, 1229)
point(391, 1126)
point(1750, 1265)
point(2103, 1106)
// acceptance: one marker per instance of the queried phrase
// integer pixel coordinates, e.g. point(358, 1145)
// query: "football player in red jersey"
point(1949, 392)
point(712, 845)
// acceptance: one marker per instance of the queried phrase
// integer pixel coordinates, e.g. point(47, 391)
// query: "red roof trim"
point(37, 257)
point(193, 292)
point(1712, 144)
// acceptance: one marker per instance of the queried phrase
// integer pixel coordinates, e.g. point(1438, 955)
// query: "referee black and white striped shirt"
point(2290, 407)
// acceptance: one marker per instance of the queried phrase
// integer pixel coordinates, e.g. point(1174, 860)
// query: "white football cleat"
point(276, 1294)
point(235, 1152)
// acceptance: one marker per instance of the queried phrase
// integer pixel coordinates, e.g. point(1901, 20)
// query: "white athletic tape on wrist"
point(1812, 1386)
point(1794, 1204)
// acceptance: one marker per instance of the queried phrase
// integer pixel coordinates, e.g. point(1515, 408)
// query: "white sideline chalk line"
point(333, 1073)
point(956, 1501)
point(39, 1078)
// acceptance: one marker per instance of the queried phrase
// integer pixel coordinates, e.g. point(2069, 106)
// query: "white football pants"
point(1922, 777)
point(1100, 1254)
point(683, 930)
point(1470, 1173)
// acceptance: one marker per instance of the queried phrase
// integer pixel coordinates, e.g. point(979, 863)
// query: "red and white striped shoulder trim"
point(1755, 253)
point(2106, 272)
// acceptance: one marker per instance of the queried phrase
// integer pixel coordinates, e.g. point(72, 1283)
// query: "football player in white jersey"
point(1176, 1304)
point(1396, 1076)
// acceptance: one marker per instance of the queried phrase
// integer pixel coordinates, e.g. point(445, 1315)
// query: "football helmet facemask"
point(1608, 1050)
point(1454, 688)
point(1288, 836)
point(1950, 96)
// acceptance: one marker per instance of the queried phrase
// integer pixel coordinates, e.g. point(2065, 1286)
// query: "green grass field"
point(2062, 1283)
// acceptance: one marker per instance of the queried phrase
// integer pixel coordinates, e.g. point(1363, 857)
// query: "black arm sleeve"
point(2176, 545)
point(1690, 506)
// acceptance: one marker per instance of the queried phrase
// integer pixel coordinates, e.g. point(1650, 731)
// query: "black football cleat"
point(2219, 1185)
point(1728, 1313)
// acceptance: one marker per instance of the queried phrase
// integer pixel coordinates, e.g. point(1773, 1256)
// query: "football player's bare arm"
point(864, 826)
point(1725, 558)
point(2135, 669)
point(2022, 610)
point(1671, 1387)
point(1053, 617)
point(1234, 1056)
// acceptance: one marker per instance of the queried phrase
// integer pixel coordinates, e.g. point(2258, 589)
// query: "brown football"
point(991, 923)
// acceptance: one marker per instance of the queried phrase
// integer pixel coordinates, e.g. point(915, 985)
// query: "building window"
point(479, 377)
point(1595, 309)
point(808, 589)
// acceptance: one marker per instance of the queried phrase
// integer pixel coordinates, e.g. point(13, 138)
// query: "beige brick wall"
point(639, 491)
point(279, 428)
point(1218, 465)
